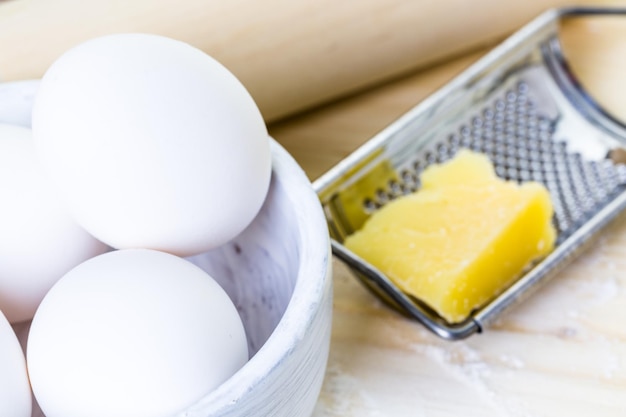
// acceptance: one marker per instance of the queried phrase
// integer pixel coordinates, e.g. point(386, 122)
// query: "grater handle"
point(566, 79)
point(543, 32)
point(590, 11)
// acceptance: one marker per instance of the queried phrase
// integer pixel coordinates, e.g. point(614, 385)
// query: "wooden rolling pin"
point(291, 55)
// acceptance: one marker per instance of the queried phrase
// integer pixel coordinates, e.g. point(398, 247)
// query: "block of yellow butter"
point(462, 238)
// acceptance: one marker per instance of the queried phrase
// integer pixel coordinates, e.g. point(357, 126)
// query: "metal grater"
point(522, 107)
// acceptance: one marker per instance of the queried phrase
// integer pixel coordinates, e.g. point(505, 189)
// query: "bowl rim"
point(312, 282)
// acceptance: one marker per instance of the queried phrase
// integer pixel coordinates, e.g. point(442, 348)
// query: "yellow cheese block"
point(462, 238)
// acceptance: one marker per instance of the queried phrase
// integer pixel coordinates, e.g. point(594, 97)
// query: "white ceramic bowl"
point(278, 274)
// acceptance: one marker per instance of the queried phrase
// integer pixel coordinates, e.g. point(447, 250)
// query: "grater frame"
point(528, 67)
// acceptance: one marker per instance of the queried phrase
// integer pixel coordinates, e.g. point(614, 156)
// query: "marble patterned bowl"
point(278, 274)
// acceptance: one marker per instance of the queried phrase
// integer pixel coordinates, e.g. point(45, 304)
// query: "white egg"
point(154, 143)
point(15, 395)
point(133, 332)
point(39, 240)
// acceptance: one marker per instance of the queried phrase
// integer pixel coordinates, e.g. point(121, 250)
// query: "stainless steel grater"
point(521, 106)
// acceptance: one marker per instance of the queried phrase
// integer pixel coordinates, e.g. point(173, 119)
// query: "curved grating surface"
point(520, 142)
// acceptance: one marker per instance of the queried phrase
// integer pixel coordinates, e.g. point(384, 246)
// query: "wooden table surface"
point(560, 353)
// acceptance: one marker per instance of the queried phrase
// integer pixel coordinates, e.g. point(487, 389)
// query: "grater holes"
point(522, 87)
point(499, 159)
point(477, 134)
point(498, 123)
point(524, 175)
point(489, 134)
point(534, 150)
point(395, 189)
point(406, 185)
point(523, 163)
point(523, 156)
point(510, 117)
point(510, 147)
point(561, 216)
point(532, 123)
point(512, 174)
point(382, 197)
point(370, 206)
point(454, 140)
point(475, 146)
point(537, 175)
point(511, 96)
point(465, 142)
point(583, 203)
point(520, 144)
point(500, 105)
point(519, 140)
point(545, 127)
point(590, 179)
point(571, 206)
point(537, 166)
point(609, 177)
point(407, 176)
point(430, 158)
point(600, 191)
point(418, 167)
point(443, 152)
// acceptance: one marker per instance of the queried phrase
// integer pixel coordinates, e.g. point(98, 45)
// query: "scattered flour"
point(344, 396)
point(467, 366)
